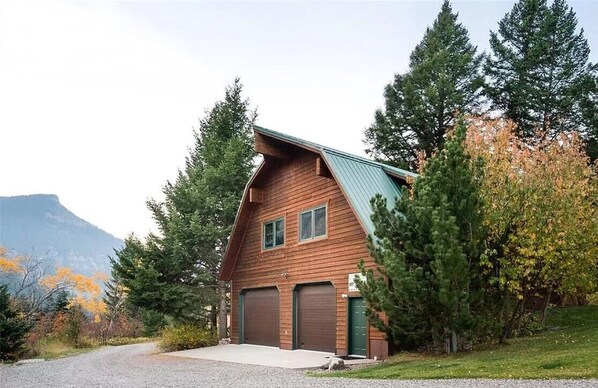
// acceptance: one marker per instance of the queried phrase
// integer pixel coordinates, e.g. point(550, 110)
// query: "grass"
point(568, 351)
point(52, 349)
point(49, 349)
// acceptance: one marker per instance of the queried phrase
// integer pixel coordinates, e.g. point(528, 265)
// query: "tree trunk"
point(508, 327)
point(545, 307)
point(222, 314)
point(454, 342)
point(213, 317)
point(451, 342)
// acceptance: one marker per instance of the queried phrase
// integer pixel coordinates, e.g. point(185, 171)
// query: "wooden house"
point(299, 234)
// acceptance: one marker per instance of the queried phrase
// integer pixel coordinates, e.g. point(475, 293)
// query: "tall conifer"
point(428, 251)
point(175, 272)
point(539, 72)
point(421, 105)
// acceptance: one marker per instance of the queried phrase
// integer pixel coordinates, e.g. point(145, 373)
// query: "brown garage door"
point(260, 317)
point(316, 317)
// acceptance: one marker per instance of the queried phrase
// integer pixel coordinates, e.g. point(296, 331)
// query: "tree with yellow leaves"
point(88, 293)
point(540, 200)
point(34, 283)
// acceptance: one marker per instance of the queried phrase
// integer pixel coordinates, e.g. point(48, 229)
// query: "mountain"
point(39, 225)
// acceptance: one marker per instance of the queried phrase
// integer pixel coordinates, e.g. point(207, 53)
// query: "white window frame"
point(313, 223)
point(273, 222)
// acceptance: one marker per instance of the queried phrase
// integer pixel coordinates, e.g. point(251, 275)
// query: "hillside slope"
point(39, 225)
point(568, 349)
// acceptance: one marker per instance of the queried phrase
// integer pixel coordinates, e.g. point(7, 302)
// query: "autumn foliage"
point(539, 201)
point(62, 307)
point(493, 230)
point(87, 288)
point(34, 284)
point(8, 265)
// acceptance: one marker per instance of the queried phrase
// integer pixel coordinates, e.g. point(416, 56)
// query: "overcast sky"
point(98, 100)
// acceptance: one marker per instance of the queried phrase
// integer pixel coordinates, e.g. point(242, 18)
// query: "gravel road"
point(140, 366)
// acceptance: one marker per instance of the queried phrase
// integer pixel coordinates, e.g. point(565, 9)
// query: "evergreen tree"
point(153, 322)
point(538, 73)
point(588, 105)
point(175, 272)
point(12, 328)
point(398, 289)
point(61, 301)
point(443, 80)
point(428, 252)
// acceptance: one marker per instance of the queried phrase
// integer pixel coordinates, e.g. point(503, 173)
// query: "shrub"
point(73, 326)
point(126, 325)
point(186, 336)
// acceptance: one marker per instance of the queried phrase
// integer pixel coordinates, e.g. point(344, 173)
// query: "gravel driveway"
point(140, 366)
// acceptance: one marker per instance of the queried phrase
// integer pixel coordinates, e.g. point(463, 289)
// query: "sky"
point(99, 100)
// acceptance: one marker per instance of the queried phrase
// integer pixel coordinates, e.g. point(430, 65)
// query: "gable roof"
point(359, 179)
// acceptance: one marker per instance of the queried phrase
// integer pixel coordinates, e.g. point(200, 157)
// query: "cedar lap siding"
point(306, 282)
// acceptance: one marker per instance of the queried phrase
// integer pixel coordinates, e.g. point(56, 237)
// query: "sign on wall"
point(352, 285)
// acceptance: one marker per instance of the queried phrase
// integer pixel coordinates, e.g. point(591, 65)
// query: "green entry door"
point(357, 327)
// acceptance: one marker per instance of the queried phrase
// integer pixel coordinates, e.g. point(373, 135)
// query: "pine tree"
point(60, 301)
point(538, 73)
point(421, 105)
point(398, 289)
point(175, 272)
point(428, 252)
point(588, 105)
point(12, 328)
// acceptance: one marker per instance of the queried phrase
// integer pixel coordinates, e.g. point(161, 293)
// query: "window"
point(312, 223)
point(273, 234)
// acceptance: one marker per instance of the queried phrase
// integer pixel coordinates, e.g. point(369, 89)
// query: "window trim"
point(284, 235)
point(313, 222)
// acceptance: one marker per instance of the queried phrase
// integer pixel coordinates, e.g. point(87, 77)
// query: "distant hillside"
point(38, 224)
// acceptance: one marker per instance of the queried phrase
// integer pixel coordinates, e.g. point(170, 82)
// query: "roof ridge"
point(322, 148)
point(284, 136)
point(372, 162)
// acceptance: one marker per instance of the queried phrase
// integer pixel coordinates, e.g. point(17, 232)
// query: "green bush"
point(186, 336)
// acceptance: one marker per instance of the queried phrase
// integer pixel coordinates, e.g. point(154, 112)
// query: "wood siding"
point(288, 187)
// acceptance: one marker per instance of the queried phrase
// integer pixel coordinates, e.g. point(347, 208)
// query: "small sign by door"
point(352, 285)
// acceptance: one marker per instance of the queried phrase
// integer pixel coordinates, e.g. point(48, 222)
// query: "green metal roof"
point(359, 178)
point(317, 147)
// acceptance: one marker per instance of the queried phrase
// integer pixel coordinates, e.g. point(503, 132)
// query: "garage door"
point(316, 317)
point(260, 317)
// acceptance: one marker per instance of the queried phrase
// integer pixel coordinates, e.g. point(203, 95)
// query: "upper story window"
point(273, 234)
point(312, 223)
